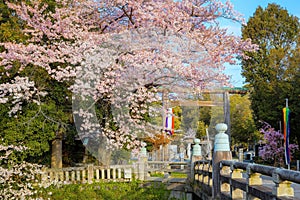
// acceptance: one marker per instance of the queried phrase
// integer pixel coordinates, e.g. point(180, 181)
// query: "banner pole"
point(287, 105)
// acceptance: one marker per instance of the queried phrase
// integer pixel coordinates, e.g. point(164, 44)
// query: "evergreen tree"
point(269, 71)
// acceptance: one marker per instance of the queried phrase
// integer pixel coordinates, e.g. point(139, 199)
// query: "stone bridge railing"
point(223, 178)
point(239, 180)
point(140, 170)
point(220, 178)
point(88, 174)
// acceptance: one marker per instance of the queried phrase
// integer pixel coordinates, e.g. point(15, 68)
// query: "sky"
point(247, 9)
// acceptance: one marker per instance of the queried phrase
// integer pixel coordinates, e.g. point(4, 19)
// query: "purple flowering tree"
point(273, 150)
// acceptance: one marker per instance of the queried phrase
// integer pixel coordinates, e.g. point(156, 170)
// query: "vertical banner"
point(286, 134)
point(169, 122)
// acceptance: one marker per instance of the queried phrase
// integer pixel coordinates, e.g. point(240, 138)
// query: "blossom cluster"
point(17, 179)
point(17, 91)
point(273, 150)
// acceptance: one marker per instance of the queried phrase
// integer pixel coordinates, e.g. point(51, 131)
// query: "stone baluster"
point(90, 173)
point(67, 176)
point(114, 173)
point(282, 188)
point(108, 173)
point(236, 174)
point(205, 177)
point(83, 173)
point(119, 173)
point(73, 176)
point(225, 187)
point(97, 175)
point(77, 175)
point(221, 152)
point(253, 178)
point(102, 173)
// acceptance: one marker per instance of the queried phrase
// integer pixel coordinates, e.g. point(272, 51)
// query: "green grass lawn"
point(173, 175)
point(105, 191)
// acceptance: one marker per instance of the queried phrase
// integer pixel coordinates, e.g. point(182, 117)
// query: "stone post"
point(181, 152)
point(196, 155)
point(282, 188)
point(90, 173)
point(197, 149)
point(236, 193)
point(188, 151)
point(221, 152)
point(241, 155)
point(142, 164)
point(253, 178)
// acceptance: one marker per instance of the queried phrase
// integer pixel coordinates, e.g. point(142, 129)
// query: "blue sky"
point(247, 8)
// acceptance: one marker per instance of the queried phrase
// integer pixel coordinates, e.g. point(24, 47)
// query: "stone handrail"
point(202, 178)
point(240, 180)
point(87, 174)
point(253, 183)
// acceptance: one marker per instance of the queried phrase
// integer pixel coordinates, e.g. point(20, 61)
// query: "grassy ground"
point(173, 175)
point(105, 191)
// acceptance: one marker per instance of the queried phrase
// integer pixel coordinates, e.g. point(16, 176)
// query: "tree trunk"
point(56, 154)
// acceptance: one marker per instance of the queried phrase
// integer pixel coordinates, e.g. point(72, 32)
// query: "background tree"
point(269, 71)
point(243, 130)
point(295, 93)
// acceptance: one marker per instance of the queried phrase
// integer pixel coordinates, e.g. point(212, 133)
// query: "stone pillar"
point(221, 152)
point(188, 151)
point(196, 155)
point(241, 155)
point(197, 148)
point(161, 153)
point(166, 152)
point(56, 155)
point(181, 152)
point(143, 151)
point(142, 164)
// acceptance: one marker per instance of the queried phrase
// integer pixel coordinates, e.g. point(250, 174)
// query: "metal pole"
point(227, 113)
point(287, 105)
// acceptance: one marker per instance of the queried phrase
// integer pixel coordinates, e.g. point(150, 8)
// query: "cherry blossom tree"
point(120, 53)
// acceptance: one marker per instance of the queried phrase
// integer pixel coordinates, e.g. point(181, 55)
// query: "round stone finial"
point(221, 127)
point(197, 147)
point(221, 139)
point(197, 141)
point(143, 151)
